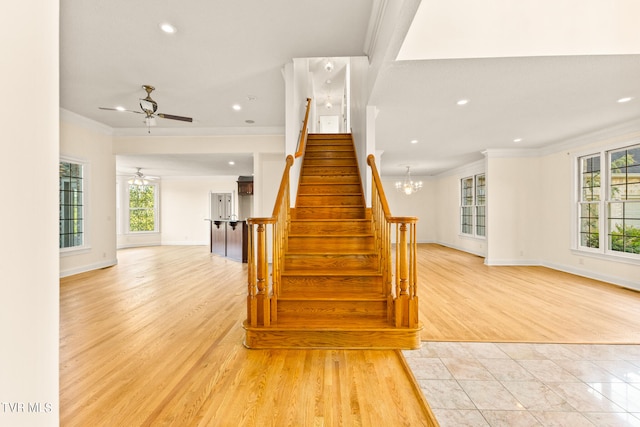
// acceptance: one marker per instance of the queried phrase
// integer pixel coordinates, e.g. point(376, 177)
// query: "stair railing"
point(264, 286)
point(398, 266)
point(304, 131)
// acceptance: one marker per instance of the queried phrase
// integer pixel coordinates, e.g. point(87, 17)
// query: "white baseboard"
point(90, 267)
point(625, 283)
point(594, 275)
point(185, 243)
point(513, 262)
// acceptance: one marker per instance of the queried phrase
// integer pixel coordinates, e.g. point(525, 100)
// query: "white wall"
point(530, 208)
point(421, 205)
point(447, 210)
point(90, 142)
point(270, 167)
point(185, 206)
point(514, 206)
point(29, 119)
point(558, 208)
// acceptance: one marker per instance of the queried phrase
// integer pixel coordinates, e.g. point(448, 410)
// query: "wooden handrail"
point(400, 282)
point(283, 185)
point(302, 142)
point(263, 286)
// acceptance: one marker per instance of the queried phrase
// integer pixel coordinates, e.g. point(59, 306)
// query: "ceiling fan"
point(138, 178)
point(149, 108)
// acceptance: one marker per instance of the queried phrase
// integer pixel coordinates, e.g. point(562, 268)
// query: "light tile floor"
point(505, 384)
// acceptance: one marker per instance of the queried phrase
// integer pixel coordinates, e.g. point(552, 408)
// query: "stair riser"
point(326, 200)
point(376, 339)
point(330, 213)
point(329, 244)
point(318, 154)
point(328, 162)
point(322, 227)
point(330, 170)
point(327, 151)
point(329, 179)
point(319, 189)
point(344, 286)
point(331, 262)
point(327, 138)
point(316, 309)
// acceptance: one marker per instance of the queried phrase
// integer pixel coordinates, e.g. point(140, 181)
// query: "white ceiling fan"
point(138, 178)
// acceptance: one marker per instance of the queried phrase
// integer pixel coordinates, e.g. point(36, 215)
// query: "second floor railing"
point(397, 246)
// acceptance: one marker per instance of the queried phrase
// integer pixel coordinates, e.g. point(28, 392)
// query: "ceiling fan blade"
point(126, 111)
point(172, 117)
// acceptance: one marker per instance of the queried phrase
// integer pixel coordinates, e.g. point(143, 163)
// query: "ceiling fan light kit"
point(138, 178)
point(149, 108)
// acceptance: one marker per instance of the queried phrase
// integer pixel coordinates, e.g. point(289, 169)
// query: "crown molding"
point(469, 169)
point(373, 30)
point(76, 119)
point(620, 130)
point(181, 131)
point(496, 153)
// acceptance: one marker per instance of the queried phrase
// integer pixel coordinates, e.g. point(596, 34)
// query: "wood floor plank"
point(157, 340)
point(461, 299)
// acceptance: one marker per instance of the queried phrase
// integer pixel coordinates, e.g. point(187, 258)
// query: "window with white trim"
point(72, 212)
point(609, 220)
point(473, 206)
point(143, 208)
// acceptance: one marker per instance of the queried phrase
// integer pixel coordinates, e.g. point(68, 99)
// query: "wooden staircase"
point(331, 292)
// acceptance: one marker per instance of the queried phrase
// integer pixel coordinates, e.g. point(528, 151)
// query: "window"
point(590, 201)
point(623, 206)
point(617, 209)
point(481, 208)
point(466, 210)
point(473, 206)
point(142, 208)
point(71, 218)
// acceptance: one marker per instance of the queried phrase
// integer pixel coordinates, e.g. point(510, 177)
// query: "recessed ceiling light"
point(625, 99)
point(517, 140)
point(463, 102)
point(414, 141)
point(168, 28)
point(231, 163)
point(120, 108)
point(237, 107)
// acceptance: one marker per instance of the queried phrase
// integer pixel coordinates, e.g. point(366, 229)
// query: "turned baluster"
point(262, 296)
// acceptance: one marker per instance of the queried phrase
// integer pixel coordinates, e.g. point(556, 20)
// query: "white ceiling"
point(227, 53)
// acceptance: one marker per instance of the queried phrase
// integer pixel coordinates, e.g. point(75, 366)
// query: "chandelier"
point(408, 186)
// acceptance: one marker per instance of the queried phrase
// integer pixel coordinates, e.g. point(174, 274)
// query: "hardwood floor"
point(157, 340)
point(461, 299)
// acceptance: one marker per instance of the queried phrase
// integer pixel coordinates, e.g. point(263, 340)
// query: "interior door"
point(329, 124)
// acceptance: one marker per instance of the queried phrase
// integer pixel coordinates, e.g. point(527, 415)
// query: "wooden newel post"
point(402, 302)
point(262, 297)
point(252, 307)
